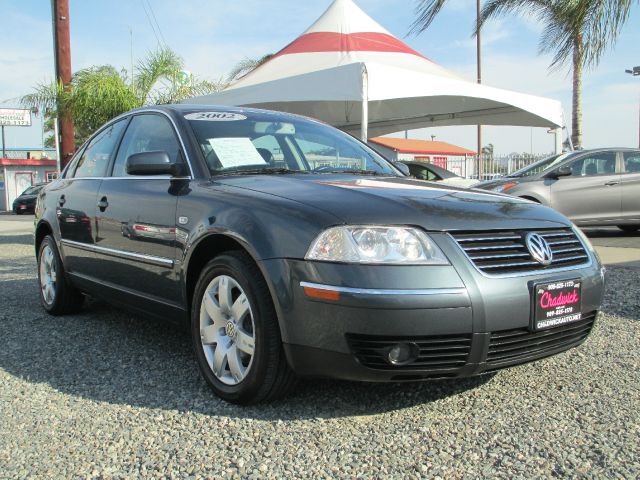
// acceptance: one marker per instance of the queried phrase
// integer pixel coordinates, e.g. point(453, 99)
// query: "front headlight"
point(376, 244)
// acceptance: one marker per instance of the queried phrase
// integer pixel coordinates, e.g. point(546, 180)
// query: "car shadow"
point(109, 355)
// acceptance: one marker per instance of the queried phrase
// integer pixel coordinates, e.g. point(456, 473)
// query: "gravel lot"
point(105, 394)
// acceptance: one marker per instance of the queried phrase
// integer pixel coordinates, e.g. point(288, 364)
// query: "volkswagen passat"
point(290, 248)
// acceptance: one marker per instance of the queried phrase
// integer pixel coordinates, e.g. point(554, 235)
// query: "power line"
point(150, 22)
point(156, 21)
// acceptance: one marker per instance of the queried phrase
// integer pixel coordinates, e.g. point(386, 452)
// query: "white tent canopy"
point(350, 72)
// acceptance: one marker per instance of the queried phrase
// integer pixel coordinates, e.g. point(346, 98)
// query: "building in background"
point(22, 168)
point(446, 155)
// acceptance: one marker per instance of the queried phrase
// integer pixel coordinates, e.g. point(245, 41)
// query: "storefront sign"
point(15, 117)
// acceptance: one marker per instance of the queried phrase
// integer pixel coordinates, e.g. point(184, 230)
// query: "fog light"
point(402, 353)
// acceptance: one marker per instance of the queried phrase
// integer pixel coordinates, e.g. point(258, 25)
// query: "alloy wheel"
point(48, 275)
point(227, 330)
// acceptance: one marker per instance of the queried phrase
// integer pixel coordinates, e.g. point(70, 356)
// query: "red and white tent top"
point(346, 67)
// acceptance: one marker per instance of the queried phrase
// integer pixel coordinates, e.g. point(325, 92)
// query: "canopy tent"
point(350, 72)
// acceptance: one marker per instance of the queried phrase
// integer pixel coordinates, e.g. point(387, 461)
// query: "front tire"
point(629, 228)
point(235, 332)
point(57, 295)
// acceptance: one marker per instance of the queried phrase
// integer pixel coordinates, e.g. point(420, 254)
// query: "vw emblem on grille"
point(539, 248)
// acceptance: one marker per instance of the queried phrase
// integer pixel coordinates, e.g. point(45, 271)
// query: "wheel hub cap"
point(227, 331)
point(48, 275)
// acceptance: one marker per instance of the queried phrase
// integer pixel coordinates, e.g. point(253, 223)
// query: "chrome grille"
point(505, 252)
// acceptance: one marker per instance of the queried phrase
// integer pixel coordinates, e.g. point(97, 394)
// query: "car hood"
point(403, 201)
point(458, 182)
point(491, 184)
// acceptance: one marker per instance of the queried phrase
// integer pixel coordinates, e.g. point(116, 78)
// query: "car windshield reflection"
point(260, 145)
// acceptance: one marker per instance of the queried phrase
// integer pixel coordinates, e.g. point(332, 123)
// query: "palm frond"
point(46, 97)
point(588, 26)
point(602, 21)
point(246, 66)
point(426, 11)
point(162, 63)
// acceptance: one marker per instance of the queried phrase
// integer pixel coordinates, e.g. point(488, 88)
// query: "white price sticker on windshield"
point(236, 152)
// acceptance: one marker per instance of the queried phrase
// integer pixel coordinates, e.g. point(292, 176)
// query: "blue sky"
point(213, 35)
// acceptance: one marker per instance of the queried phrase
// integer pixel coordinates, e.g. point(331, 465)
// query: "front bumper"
point(460, 319)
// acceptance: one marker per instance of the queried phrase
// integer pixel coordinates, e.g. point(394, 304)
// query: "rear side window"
point(595, 164)
point(147, 133)
point(632, 162)
point(95, 159)
point(422, 173)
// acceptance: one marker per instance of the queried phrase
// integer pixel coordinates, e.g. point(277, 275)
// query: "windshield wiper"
point(262, 171)
point(358, 172)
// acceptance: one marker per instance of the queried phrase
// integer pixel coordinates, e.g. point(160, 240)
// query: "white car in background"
point(434, 173)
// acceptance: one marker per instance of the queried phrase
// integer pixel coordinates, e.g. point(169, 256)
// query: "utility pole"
point(479, 66)
point(62, 55)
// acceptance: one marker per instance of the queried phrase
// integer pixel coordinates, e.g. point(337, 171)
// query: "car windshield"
point(268, 143)
point(32, 190)
point(540, 165)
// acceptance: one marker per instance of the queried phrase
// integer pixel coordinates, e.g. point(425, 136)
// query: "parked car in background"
point(320, 259)
point(497, 180)
point(26, 202)
point(591, 187)
point(434, 173)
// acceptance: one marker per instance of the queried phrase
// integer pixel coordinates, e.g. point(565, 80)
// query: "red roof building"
point(443, 154)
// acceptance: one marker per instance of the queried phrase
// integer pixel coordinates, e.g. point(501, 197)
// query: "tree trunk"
point(576, 123)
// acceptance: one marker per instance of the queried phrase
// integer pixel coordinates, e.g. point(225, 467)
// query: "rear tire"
point(629, 228)
point(57, 295)
point(235, 332)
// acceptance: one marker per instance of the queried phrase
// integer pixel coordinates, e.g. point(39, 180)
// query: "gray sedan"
point(591, 187)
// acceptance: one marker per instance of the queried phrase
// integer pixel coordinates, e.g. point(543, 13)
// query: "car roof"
point(604, 149)
point(185, 108)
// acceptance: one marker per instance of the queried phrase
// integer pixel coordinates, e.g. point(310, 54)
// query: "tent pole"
point(364, 133)
point(558, 132)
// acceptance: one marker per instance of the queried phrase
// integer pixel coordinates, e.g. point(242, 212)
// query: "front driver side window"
point(147, 133)
point(595, 164)
point(96, 157)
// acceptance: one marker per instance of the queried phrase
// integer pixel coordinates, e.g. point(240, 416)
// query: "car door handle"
point(61, 200)
point(612, 183)
point(103, 204)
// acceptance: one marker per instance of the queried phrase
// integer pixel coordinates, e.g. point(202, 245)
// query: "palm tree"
point(100, 93)
point(577, 32)
point(487, 151)
point(246, 66)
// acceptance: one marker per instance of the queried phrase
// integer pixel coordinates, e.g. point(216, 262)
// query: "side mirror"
point(563, 171)
point(152, 163)
point(403, 168)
